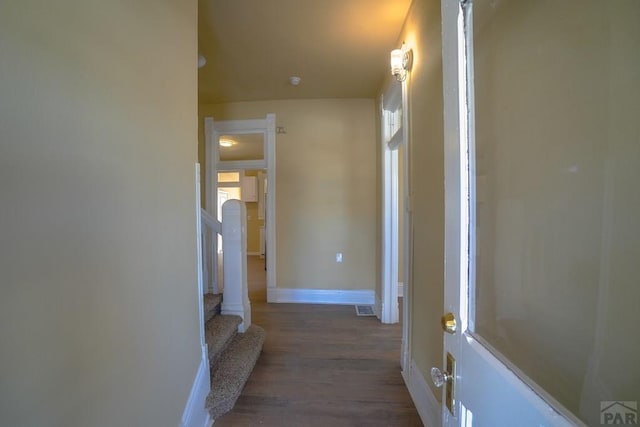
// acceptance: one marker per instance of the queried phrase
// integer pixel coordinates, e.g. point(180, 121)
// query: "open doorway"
point(240, 163)
point(249, 186)
point(396, 217)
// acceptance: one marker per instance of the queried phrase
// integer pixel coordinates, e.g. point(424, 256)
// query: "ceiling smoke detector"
point(294, 80)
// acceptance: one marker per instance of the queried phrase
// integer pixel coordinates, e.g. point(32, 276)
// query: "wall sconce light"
point(202, 61)
point(401, 63)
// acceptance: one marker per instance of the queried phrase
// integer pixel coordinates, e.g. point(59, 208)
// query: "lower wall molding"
point(195, 414)
point(321, 296)
point(428, 407)
point(400, 289)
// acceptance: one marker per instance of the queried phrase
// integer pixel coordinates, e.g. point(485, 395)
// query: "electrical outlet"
point(339, 257)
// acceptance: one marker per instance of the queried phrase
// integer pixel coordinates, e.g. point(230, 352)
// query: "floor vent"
point(364, 310)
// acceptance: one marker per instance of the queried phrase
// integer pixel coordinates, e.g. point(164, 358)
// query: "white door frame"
point(389, 309)
point(391, 213)
point(267, 127)
point(407, 237)
point(479, 376)
point(203, 343)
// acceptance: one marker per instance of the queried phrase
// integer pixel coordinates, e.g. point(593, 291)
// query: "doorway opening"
point(240, 165)
point(395, 232)
point(249, 186)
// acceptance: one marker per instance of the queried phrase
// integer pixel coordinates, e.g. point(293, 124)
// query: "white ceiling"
point(340, 48)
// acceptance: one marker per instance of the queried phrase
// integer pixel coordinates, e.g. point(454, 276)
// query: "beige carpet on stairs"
point(232, 355)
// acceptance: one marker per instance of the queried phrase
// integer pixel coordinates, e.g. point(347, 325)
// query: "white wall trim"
point(321, 296)
point(429, 409)
point(234, 165)
point(195, 414)
point(199, 255)
point(239, 127)
point(400, 290)
point(270, 225)
point(390, 198)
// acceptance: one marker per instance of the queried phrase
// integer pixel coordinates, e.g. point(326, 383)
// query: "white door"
point(542, 164)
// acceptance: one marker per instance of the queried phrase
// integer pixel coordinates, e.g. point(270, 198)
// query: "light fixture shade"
point(396, 62)
point(201, 61)
point(294, 80)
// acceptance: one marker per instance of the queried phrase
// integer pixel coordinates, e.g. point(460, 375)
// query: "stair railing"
point(233, 280)
point(211, 228)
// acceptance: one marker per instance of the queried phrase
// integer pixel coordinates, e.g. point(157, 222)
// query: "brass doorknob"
point(449, 324)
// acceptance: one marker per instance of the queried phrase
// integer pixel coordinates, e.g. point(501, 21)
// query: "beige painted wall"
point(326, 188)
point(422, 33)
point(98, 303)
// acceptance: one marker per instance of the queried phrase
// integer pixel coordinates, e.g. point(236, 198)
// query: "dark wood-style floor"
point(321, 365)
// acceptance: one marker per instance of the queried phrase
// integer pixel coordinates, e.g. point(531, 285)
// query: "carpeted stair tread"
point(211, 305)
point(230, 374)
point(218, 333)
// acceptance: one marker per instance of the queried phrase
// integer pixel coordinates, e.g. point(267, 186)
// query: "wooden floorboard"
point(321, 365)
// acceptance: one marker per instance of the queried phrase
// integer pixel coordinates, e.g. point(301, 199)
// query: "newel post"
point(234, 258)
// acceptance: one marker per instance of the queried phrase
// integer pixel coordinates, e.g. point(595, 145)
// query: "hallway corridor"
point(321, 366)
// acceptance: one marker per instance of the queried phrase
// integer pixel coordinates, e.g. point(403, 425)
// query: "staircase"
point(232, 355)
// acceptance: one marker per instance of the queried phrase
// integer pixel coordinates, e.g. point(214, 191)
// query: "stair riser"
point(219, 333)
point(212, 306)
point(215, 356)
point(210, 314)
point(230, 373)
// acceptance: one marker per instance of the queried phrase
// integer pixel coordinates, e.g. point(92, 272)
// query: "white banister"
point(211, 227)
point(234, 250)
point(211, 222)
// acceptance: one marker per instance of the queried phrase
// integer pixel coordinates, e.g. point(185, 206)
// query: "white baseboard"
point(428, 407)
point(321, 296)
point(400, 289)
point(195, 414)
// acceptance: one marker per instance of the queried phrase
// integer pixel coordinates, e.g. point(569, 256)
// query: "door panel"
point(551, 118)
